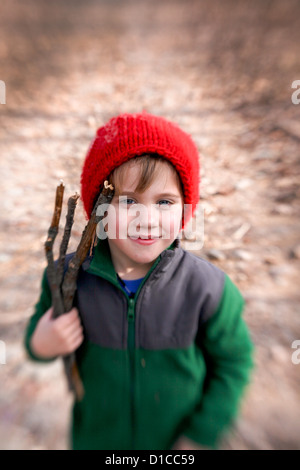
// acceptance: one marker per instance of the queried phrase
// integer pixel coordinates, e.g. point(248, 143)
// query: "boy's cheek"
point(171, 222)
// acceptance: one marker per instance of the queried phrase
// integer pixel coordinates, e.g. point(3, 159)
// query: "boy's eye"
point(127, 201)
point(164, 202)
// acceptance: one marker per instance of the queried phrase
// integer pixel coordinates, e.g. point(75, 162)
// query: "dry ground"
point(223, 71)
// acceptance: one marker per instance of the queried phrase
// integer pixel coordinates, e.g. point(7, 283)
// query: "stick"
point(63, 289)
point(72, 202)
point(69, 285)
point(72, 374)
point(55, 273)
point(57, 302)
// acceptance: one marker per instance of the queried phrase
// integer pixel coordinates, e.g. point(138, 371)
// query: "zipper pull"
point(131, 309)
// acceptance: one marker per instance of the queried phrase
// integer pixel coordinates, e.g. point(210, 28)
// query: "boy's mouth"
point(145, 237)
point(145, 240)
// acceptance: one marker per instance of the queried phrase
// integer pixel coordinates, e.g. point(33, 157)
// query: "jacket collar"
point(100, 262)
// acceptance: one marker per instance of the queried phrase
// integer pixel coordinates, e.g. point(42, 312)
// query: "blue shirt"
point(130, 286)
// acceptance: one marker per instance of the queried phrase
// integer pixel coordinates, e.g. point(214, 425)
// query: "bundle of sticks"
point(63, 286)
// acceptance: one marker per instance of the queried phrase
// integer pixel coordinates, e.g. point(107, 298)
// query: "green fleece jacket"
point(174, 360)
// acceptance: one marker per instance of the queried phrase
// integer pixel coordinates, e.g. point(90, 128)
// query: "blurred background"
point(223, 70)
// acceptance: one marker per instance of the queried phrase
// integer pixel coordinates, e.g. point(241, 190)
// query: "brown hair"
point(149, 167)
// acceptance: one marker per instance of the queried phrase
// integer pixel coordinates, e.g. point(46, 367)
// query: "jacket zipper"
point(131, 348)
point(131, 325)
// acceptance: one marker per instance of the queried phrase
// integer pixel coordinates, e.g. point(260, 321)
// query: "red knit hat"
point(129, 135)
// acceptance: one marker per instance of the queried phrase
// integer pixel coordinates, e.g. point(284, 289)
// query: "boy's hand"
point(57, 337)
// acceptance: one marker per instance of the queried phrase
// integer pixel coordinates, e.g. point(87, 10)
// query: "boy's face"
point(140, 225)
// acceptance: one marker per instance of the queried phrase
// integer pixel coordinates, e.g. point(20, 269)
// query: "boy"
point(161, 346)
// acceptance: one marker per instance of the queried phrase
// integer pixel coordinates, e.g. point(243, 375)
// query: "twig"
point(72, 202)
point(54, 273)
point(63, 288)
point(54, 284)
point(69, 283)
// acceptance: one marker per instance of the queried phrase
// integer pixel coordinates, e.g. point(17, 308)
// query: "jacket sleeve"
point(41, 307)
point(228, 349)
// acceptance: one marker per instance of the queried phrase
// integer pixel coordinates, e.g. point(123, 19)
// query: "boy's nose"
point(147, 218)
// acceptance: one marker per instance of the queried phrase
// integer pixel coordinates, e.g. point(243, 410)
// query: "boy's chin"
point(145, 252)
point(145, 256)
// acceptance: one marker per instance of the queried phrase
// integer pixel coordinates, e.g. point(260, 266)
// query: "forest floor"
point(223, 71)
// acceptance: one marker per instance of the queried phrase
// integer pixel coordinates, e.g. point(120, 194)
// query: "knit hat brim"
point(130, 135)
